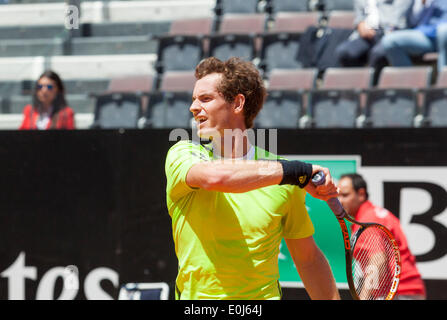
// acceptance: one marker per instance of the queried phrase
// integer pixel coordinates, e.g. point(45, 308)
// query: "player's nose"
point(195, 107)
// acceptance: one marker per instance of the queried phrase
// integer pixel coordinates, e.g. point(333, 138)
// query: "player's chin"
point(206, 133)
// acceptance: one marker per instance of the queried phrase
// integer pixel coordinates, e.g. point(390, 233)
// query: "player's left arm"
point(313, 268)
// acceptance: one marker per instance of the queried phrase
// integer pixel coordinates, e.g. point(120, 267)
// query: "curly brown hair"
point(238, 77)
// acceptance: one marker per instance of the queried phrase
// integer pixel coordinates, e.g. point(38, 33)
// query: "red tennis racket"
point(372, 255)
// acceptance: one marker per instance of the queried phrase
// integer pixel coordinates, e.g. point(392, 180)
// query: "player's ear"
point(239, 102)
point(362, 194)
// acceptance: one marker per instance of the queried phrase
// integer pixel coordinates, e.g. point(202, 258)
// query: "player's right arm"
point(234, 175)
point(237, 176)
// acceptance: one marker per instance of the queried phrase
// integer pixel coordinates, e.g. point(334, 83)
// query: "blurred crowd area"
point(326, 63)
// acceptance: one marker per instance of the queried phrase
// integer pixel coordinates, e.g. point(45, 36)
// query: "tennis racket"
point(372, 255)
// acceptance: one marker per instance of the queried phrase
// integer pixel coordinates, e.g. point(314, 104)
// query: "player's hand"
point(327, 190)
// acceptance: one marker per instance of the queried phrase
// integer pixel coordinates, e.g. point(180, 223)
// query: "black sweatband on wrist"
point(296, 172)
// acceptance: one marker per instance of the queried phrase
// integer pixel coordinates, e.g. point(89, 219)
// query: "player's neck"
point(234, 146)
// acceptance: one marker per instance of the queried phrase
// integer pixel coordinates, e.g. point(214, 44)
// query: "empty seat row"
point(274, 6)
point(239, 35)
point(294, 102)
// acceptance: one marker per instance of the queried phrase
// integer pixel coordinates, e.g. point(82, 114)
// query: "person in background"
point(49, 109)
point(373, 19)
point(353, 195)
point(428, 20)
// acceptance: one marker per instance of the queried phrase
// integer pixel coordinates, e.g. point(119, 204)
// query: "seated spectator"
point(428, 20)
point(373, 18)
point(49, 109)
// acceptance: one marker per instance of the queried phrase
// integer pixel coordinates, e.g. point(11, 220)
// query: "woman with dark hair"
point(49, 109)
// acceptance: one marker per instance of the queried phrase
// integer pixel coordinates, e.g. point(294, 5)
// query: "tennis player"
point(232, 203)
point(353, 195)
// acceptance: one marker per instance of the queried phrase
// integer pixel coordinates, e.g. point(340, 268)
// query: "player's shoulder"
point(184, 144)
point(188, 147)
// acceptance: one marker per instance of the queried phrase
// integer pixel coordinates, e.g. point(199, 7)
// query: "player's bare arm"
point(313, 268)
point(239, 176)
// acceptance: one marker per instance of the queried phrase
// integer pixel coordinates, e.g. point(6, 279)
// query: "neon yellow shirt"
point(227, 244)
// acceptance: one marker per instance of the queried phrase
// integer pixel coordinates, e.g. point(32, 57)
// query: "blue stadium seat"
point(169, 110)
point(117, 110)
point(434, 110)
point(178, 53)
point(282, 109)
point(391, 108)
point(334, 108)
point(236, 6)
point(276, 6)
point(224, 46)
point(396, 100)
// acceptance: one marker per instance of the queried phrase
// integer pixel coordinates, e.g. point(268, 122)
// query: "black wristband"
point(296, 172)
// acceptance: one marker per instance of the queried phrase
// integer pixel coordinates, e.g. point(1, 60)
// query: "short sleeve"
point(296, 221)
point(180, 158)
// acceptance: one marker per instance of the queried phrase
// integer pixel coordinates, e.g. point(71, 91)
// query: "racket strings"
point(373, 264)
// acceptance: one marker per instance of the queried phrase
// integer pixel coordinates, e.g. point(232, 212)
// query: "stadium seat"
point(277, 6)
point(178, 53)
point(81, 102)
point(334, 108)
point(405, 77)
point(117, 110)
point(294, 22)
point(330, 5)
point(177, 81)
point(434, 110)
point(280, 45)
point(242, 24)
point(224, 46)
point(139, 84)
point(292, 79)
point(168, 110)
point(347, 78)
point(144, 291)
point(279, 51)
point(341, 19)
point(395, 101)
point(191, 26)
point(299, 80)
point(131, 84)
point(16, 104)
point(224, 7)
point(338, 102)
point(391, 108)
point(282, 109)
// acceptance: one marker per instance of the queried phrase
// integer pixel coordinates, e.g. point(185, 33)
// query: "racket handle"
point(318, 179)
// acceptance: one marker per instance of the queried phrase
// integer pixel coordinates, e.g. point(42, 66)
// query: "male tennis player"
point(353, 195)
point(232, 203)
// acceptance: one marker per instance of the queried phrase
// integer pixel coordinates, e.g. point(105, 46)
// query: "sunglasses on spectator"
point(48, 86)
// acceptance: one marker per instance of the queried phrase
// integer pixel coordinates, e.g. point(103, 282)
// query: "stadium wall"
point(83, 212)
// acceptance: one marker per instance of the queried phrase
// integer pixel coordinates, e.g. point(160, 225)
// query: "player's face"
point(46, 91)
point(348, 197)
point(209, 108)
